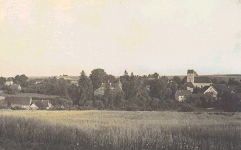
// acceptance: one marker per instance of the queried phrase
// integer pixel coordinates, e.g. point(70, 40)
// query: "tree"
point(73, 92)
point(97, 77)
point(232, 81)
point(2, 81)
point(184, 80)
point(156, 75)
point(85, 89)
point(22, 80)
point(62, 87)
point(177, 80)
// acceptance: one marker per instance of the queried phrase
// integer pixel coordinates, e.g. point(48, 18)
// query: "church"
point(197, 81)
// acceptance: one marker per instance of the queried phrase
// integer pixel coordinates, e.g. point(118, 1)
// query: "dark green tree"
point(156, 75)
point(97, 77)
point(2, 81)
point(177, 80)
point(22, 80)
point(85, 89)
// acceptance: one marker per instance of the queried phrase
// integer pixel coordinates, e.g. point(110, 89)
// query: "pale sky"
point(54, 37)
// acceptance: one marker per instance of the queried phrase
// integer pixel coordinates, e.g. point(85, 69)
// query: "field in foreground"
point(119, 130)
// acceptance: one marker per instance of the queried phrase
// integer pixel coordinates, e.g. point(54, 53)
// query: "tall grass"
point(29, 133)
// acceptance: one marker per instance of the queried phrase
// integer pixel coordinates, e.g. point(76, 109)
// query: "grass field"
point(121, 130)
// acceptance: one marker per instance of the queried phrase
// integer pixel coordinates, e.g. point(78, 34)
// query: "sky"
point(54, 37)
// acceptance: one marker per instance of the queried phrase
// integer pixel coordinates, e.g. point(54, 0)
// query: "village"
point(197, 90)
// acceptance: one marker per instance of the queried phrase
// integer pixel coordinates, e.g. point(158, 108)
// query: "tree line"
point(150, 92)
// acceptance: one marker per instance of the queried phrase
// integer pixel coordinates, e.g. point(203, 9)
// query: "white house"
point(209, 90)
point(9, 82)
point(181, 95)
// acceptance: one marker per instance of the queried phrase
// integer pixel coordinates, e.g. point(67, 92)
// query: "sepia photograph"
point(120, 74)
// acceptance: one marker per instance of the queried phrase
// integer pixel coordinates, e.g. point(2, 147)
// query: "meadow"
point(119, 130)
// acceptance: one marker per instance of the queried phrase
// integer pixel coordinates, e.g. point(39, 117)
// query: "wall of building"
point(212, 91)
point(190, 77)
point(200, 85)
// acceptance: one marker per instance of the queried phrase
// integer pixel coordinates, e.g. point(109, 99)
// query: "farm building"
point(23, 102)
point(115, 87)
point(209, 90)
point(41, 104)
point(188, 86)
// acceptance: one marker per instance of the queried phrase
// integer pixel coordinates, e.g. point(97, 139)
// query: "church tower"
point(190, 75)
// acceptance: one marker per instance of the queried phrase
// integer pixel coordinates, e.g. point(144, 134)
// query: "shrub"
point(17, 108)
point(184, 107)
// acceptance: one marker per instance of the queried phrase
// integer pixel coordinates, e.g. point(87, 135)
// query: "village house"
point(209, 90)
point(114, 87)
point(41, 104)
point(188, 86)
point(198, 81)
point(9, 82)
point(182, 95)
point(23, 102)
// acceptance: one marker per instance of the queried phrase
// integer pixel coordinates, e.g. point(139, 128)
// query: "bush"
point(17, 108)
point(184, 107)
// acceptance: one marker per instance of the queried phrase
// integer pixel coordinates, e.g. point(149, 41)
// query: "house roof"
point(183, 92)
point(190, 71)
point(202, 90)
point(232, 88)
point(188, 84)
point(18, 100)
point(9, 79)
point(202, 79)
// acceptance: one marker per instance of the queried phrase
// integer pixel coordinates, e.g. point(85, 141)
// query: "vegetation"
point(138, 92)
point(119, 130)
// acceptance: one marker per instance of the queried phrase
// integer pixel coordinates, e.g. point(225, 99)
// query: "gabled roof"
point(202, 90)
point(18, 100)
point(183, 92)
point(205, 88)
point(202, 79)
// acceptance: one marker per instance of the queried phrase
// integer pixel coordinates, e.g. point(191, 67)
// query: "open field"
point(123, 129)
